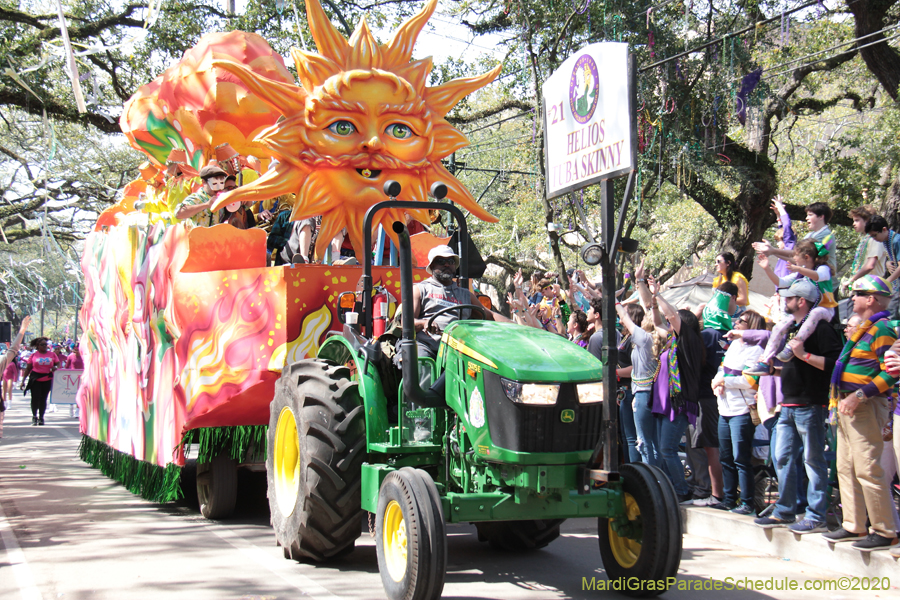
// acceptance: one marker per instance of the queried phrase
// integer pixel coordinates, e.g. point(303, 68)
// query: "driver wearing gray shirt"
point(438, 292)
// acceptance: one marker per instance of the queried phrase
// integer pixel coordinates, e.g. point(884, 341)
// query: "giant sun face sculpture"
point(361, 116)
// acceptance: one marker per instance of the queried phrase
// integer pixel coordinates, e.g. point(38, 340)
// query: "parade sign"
point(588, 118)
point(65, 386)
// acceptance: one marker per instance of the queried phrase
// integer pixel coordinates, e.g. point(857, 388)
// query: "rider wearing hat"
point(196, 206)
point(438, 292)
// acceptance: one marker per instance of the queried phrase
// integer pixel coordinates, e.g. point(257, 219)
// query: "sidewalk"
point(811, 549)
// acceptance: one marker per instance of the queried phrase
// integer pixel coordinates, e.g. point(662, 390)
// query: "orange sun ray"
point(339, 173)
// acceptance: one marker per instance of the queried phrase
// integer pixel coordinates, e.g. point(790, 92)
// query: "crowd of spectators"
point(705, 383)
point(713, 377)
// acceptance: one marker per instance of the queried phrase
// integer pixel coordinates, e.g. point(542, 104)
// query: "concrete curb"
point(811, 549)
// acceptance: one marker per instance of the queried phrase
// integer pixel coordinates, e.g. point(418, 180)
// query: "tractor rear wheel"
point(316, 446)
point(217, 487)
point(410, 536)
point(519, 536)
point(649, 547)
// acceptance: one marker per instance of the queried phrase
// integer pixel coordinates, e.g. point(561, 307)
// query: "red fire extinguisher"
point(380, 311)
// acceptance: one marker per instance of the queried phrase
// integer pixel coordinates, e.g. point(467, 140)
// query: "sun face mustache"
point(360, 161)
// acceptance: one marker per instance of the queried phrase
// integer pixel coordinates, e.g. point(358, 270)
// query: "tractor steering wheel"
point(477, 307)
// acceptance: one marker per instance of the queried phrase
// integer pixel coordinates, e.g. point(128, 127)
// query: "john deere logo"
point(567, 416)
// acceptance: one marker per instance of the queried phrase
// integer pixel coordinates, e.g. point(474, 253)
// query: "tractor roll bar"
point(368, 317)
point(409, 352)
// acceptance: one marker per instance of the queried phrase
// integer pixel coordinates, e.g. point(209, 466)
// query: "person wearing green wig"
point(717, 312)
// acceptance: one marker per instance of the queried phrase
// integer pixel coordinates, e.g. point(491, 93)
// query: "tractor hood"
point(522, 353)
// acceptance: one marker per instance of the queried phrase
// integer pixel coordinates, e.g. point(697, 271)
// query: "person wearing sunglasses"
point(800, 431)
point(438, 292)
point(736, 394)
point(861, 386)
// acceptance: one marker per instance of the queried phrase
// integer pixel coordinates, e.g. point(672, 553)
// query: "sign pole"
point(610, 350)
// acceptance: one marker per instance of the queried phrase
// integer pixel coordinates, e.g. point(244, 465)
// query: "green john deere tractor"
point(506, 430)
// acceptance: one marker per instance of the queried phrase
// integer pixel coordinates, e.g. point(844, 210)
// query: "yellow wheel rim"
point(626, 550)
point(287, 462)
point(393, 540)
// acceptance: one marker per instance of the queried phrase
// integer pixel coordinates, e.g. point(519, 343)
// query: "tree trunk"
point(890, 207)
point(882, 60)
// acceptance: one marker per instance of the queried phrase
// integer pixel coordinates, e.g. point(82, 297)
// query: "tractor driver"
point(440, 291)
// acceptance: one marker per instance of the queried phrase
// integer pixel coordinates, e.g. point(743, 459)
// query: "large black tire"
point(217, 487)
point(676, 525)
point(519, 536)
point(410, 536)
point(316, 446)
point(655, 553)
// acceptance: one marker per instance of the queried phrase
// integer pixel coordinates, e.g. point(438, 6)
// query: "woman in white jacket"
point(736, 393)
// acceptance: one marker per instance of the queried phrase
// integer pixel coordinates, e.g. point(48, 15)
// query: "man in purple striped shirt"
point(863, 411)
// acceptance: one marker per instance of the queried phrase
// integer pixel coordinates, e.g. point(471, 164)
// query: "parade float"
point(191, 339)
point(186, 328)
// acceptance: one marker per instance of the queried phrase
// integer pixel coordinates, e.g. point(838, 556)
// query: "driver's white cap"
point(445, 251)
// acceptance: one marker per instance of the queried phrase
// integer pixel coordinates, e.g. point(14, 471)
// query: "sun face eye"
point(399, 131)
point(342, 128)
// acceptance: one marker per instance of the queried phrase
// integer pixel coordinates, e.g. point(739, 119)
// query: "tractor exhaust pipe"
point(409, 351)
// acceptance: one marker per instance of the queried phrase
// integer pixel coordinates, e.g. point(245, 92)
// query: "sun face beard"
point(342, 196)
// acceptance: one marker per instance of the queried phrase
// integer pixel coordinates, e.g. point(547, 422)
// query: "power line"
point(884, 41)
point(885, 30)
point(726, 36)
point(492, 141)
point(526, 113)
point(501, 171)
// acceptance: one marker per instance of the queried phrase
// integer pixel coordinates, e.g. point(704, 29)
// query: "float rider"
point(196, 206)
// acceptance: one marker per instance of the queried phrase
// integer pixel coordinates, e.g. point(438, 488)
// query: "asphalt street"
point(68, 532)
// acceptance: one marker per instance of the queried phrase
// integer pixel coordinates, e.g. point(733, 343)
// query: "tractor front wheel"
point(410, 536)
point(316, 446)
point(645, 542)
point(217, 487)
point(519, 536)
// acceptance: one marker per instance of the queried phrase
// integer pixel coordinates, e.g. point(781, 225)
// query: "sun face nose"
point(373, 144)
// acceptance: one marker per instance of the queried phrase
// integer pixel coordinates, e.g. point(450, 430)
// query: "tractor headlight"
point(588, 393)
point(530, 393)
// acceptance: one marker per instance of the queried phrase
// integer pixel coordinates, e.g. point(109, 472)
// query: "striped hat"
point(870, 284)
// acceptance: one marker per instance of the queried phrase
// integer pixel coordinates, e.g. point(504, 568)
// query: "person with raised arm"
point(675, 395)
point(9, 360)
point(811, 260)
point(636, 370)
point(818, 214)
